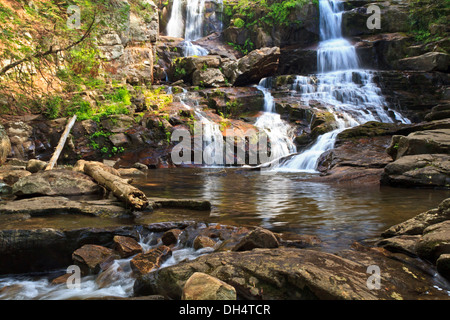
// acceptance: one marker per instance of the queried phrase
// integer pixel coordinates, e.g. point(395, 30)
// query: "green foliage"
point(239, 23)
point(424, 16)
point(52, 106)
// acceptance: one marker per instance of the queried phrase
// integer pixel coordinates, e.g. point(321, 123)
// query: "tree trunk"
point(61, 143)
point(120, 187)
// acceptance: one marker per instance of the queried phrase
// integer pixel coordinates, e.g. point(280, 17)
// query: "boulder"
point(89, 258)
point(144, 263)
point(201, 286)
point(56, 183)
point(5, 145)
point(256, 65)
point(435, 241)
point(10, 177)
point(404, 243)
point(443, 265)
point(126, 246)
point(422, 170)
point(417, 224)
point(288, 273)
point(430, 61)
point(258, 238)
point(35, 165)
point(203, 242)
point(420, 142)
point(208, 78)
point(171, 236)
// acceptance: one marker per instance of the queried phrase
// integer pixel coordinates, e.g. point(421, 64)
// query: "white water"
point(341, 87)
point(191, 30)
point(278, 131)
point(212, 138)
point(119, 279)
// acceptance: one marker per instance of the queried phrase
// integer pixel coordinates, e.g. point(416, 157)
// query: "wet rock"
point(46, 206)
point(140, 166)
point(443, 265)
point(46, 249)
point(203, 242)
point(287, 273)
point(256, 65)
point(131, 172)
point(61, 279)
point(423, 170)
point(431, 61)
point(208, 78)
point(126, 246)
point(108, 276)
point(54, 183)
point(258, 238)
point(404, 244)
point(89, 258)
point(171, 236)
point(435, 241)
point(201, 286)
point(5, 145)
point(144, 263)
point(417, 224)
point(181, 203)
point(35, 165)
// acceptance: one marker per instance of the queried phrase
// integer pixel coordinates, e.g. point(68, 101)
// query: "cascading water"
point(192, 29)
point(345, 91)
point(212, 138)
point(278, 131)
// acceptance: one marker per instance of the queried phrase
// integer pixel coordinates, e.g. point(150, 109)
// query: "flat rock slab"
point(286, 273)
point(179, 203)
point(56, 183)
point(42, 206)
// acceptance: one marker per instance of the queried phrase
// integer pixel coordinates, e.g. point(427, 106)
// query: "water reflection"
point(287, 202)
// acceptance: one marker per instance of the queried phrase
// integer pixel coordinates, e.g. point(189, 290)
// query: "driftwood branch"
point(61, 143)
point(120, 187)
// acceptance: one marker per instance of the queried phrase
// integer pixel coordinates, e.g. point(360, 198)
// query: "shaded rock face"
point(426, 235)
point(5, 145)
point(431, 61)
point(48, 249)
point(293, 274)
point(55, 183)
point(421, 159)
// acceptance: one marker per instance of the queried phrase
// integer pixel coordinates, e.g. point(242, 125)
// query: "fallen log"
point(120, 187)
point(61, 143)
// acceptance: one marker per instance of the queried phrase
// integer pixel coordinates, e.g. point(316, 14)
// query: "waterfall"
point(278, 131)
point(212, 137)
point(344, 89)
point(191, 30)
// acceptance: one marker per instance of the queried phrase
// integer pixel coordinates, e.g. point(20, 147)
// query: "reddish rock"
point(126, 246)
point(144, 263)
point(203, 242)
point(89, 257)
point(170, 237)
